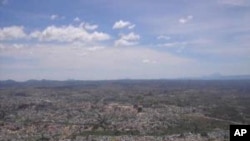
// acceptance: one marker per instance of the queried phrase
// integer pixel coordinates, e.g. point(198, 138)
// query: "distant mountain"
point(69, 83)
point(46, 83)
point(218, 76)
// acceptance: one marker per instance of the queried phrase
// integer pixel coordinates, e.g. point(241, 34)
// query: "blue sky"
point(116, 39)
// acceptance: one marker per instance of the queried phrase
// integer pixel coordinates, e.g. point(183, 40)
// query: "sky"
point(123, 39)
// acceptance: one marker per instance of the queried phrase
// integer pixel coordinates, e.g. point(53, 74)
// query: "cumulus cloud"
point(90, 27)
point(68, 34)
point(12, 32)
point(122, 42)
point(128, 39)
point(131, 36)
point(186, 19)
point(123, 24)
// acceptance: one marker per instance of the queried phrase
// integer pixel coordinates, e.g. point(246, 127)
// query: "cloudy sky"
point(117, 39)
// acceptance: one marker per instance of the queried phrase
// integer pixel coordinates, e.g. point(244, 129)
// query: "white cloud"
point(98, 36)
point(123, 24)
point(68, 34)
point(186, 19)
point(173, 44)
point(131, 36)
point(127, 40)
point(148, 61)
point(131, 26)
point(122, 42)
point(76, 19)
point(12, 32)
point(54, 16)
point(182, 20)
point(164, 37)
point(179, 46)
point(90, 27)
